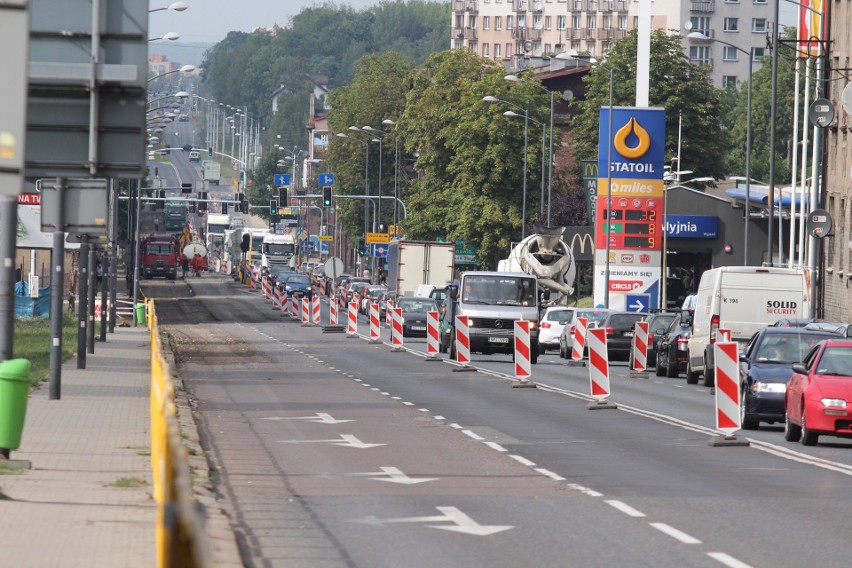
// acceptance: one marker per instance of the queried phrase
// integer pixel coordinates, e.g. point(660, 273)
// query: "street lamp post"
point(490, 99)
point(515, 78)
point(366, 176)
point(378, 139)
point(389, 122)
point(750, 54)
point(543, 143)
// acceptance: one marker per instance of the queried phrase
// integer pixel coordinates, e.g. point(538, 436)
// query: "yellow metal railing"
point(181, 539)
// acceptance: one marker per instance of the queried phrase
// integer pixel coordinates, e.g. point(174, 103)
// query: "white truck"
point(277, 250)
point(214, 233)
point(742, 299)
point(212, 171)
point(412, 263)
point(547, 257)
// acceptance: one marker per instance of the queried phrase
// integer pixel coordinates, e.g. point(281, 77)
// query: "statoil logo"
point(632, 141)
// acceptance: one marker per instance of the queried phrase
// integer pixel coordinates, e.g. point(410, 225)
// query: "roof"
point(760, 195)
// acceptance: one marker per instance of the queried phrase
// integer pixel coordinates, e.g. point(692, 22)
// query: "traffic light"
point(186, 187)
point(362, 247)
point(224, 206)
point(244, 203)
point(202, 204)
point(273, 207)
point(210, 151)
point(246, 242)
point(326, 196)
point(162, 195)
point(282, 196)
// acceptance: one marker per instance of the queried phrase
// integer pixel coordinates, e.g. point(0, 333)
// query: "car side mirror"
point(800, 368)
point(659, 331)
point(743, 358)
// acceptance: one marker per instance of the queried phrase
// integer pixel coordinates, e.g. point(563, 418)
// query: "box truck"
point(411, 263)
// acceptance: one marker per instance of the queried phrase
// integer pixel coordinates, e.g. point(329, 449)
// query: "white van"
point(742, 299)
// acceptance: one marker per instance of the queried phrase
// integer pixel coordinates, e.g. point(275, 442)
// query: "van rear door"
point(750, 301)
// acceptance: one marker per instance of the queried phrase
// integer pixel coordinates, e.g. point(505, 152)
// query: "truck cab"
point(493, 301)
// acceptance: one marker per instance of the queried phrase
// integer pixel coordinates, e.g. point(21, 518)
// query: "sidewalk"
point(87, 499)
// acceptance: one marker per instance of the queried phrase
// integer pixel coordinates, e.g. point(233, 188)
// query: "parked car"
point(818, 401)
point(414, 315)
point(298, 286)
point(551, 325)
point(356, 293)
point(566, 339)
point(619, 333)
point(374, 294)
point(673, 347)
point(440, 295)
point(787, 322)
point(658, 324)
point(765, 370)
point(843, 329)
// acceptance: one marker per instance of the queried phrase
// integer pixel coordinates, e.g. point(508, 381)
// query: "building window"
point(729, 53)
point(473, 46)
point(459, 44)
point(498, 22)
point(729, 82)
point(471, 22)
point(732, 24)
point(758, 25)
point(758, 53)
point(486, 22)
point(537, 22)
point(508, 51)
point(699, 54)
point(700, 24)
point(522, 21)
point(592, 22)
point(484, 50)
point(510, 22)
point(459, 21)
point(497, 47)
point(548, 22)
point(622, 22)
point(758, 1)
point(576, 22)
point(732, 1)
point(561, 21)
point(548, 48)
point(607, 21)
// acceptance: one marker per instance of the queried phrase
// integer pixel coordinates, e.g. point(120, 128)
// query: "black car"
point(658, 324)
point(766, 368)
point(619, 333)
point(414, 315)
point(673, 347)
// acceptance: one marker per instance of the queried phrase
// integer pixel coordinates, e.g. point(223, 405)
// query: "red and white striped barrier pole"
point(640, 350)
point(352, 320)
point(726, 355)
point(306, 311)
point(598, 369)
point(294, 308)
point(315, 310)
point(276, 298)
point(332, 310)
point(523, 365)
point(723, 335)
point(396, 329)
point(462, 345)
point(432, 337)
point(375, 323)
point(578, 346)
point(285, 303)
point(388, 314)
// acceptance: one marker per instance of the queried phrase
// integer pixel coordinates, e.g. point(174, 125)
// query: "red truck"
point(159, 255)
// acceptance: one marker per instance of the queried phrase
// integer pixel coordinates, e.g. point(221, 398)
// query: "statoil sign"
point(629, 217)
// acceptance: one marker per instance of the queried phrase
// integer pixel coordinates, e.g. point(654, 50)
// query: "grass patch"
point(32, 342)
point(128, 482)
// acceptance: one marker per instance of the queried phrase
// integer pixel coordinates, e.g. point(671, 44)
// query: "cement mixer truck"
point(546, 256)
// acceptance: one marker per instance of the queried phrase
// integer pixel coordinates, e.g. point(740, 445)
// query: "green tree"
point(685, 91)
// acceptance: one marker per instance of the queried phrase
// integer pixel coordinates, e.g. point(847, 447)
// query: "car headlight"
point(758, 387)
point(834, 402)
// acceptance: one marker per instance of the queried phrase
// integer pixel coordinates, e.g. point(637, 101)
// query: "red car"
point(819, 395)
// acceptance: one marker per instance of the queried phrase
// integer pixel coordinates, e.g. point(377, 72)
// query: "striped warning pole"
point(432, 337)
point(723, 335)
point(315, 310)
point(523, 365)
point(578, 346)
point(375, 323)
point(598, 369)
point(332, 310)
point(294, 308)
point(306, 311)
point(640, 351)
point(276, 298)
point(388, 313)
point(396, 329)
point(462, 345)
point(285, 303)
point(726, 355)
point(352, 320)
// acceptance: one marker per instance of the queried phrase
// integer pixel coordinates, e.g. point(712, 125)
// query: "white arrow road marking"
point(393, 475)
point(461, 522)
point(321, 417)
point(345, 440)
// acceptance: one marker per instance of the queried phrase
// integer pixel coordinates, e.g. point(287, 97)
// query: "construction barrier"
point(723, 335)
point(375, 323)
point(396, 328)
point(388, 314)
point(276, 298)
point(294, 308)
point(315, 310)
point(332, 310)
point(640, 346)
point(306, 311)
point(727, 387)
point(598, 368)
point(352, 320)
point(463, 340)
point(579, 345)
point(285, 303)
point(523, 367)
point(432, 337)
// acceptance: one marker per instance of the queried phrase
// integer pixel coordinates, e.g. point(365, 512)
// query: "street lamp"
point(366, 174)
point(543, 142)
point(516, 79)
point(174, 7)
point(490, 99)
point(389, 122)
point(378, 139)
point(750, 53)
point(171, 36)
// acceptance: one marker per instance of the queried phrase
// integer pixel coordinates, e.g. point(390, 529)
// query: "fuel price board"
point(636, 223)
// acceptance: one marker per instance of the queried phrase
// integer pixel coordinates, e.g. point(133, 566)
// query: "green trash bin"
point(14, 392)
point(140, 313)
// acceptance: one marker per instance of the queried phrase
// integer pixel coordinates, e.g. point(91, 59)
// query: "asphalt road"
point(333, 451)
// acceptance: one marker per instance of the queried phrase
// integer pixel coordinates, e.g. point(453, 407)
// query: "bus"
point(174, 215)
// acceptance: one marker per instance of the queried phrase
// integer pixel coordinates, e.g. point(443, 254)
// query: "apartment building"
point(517, 32)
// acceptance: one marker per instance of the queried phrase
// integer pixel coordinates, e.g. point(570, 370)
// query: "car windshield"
point(787, 348)
point(298, 279)
point(417, 306)
point(594, 317)
point(559, 316)
point(660, 322)
point(499, 290)
point(835, 361)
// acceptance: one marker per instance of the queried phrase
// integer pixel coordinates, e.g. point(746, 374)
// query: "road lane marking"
point(522, 459)
point(675, 534)
point(473, 435)
point(496, 446)
point(550, 474)
point(624, 508)
point(727, 560)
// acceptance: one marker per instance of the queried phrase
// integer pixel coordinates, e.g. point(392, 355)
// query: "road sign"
point(326, 179)
point(378, 238)
point(379, 250)
point(819, 223)
point(281, 180)
point(328, 238)
point(638, 303)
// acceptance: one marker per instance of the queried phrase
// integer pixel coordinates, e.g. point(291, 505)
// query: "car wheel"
point(534, 354)
point(671, 368)
point(808, 438)
point(709, 379)
point(747, 422)
point(792, 432)
point(658, 368)
point(541, 349)
point(691, 376)
point(562, 351)
point(453, 347)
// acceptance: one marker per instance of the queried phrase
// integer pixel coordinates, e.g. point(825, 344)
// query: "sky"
point(209, 21)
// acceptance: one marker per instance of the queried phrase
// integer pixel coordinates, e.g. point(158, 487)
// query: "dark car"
point(766, 368)
point(414, 311)
point(673, 347)
point(658, 324)
point(619, 333)
point(186, 147)
point(786, 322)
point(439, 295)
point(298, 286)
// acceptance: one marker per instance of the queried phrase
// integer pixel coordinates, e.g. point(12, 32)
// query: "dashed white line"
point(496, 446)
point(550, 474)
point(473, 435)
point(396, 398)
point(727, 560)
point(522, 460)
point(584, 490)
point(675, 534)
point(439, 418)
point(408, 403)
point(624, 508)
point(423, 409)
point(456, 426)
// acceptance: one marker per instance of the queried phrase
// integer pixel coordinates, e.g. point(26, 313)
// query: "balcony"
point(520, 5)
point(706, 7)
point(702, 62)
point(469, 33)
point(708, 33)
point(610, 34)
point(526, 34)
point(536, 6)
point(471, 6)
